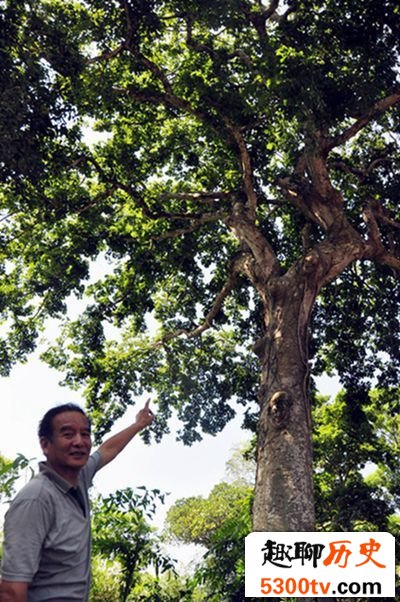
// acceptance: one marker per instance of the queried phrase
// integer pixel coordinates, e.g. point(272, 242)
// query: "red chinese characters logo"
point(339, 553)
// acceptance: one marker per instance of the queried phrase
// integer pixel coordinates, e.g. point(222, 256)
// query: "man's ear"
point(44, 444)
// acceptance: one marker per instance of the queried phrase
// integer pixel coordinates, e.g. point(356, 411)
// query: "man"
point(46, 550)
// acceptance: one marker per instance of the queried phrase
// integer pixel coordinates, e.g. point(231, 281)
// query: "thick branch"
point(316, 198)
point(330, 257)
point(310, 188)
point(259, 19)
point(247, 171)
point(247, 232)
point(107, 55)
point(373, 113)
point(361, 173)
point(390, 260)
point(131, 24)
point(206, 218)
point(270, 10)
point(168, 99)
point(201, 197)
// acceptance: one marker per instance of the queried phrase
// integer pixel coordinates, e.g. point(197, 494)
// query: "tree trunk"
point(284, 499)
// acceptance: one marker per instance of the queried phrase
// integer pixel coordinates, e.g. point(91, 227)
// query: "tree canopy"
point(244, 188)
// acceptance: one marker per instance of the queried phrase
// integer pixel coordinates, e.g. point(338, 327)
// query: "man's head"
point(46, 424)
point(64, 434)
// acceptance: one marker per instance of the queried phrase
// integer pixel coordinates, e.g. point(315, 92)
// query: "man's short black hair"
point(46, 424)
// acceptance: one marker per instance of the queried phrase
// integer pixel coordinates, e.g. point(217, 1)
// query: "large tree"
point(244, 192)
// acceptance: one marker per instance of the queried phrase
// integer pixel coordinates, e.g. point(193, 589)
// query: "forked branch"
point(206, 218)
point(247, 170)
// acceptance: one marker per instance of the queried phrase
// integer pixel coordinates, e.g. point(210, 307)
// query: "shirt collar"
point(58, 480)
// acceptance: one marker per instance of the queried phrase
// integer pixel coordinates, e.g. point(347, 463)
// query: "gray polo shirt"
point(47, 536)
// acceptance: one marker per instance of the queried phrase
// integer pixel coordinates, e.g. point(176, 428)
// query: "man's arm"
point(11, 591)
point(114, 445)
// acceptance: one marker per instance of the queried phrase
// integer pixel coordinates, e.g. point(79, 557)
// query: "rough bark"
point(284, 498)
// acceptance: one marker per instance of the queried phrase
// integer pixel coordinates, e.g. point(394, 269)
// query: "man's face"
point(69, 448)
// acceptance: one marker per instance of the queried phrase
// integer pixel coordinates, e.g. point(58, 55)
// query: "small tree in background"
point(357, 450)
point(121, 532)
point(219, 522)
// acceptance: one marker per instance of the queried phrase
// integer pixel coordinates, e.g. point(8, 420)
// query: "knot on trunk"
point(260, 345)
point(278, 408)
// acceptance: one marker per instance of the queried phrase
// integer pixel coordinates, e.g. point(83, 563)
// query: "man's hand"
point(113, 446)
point(145, 416)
